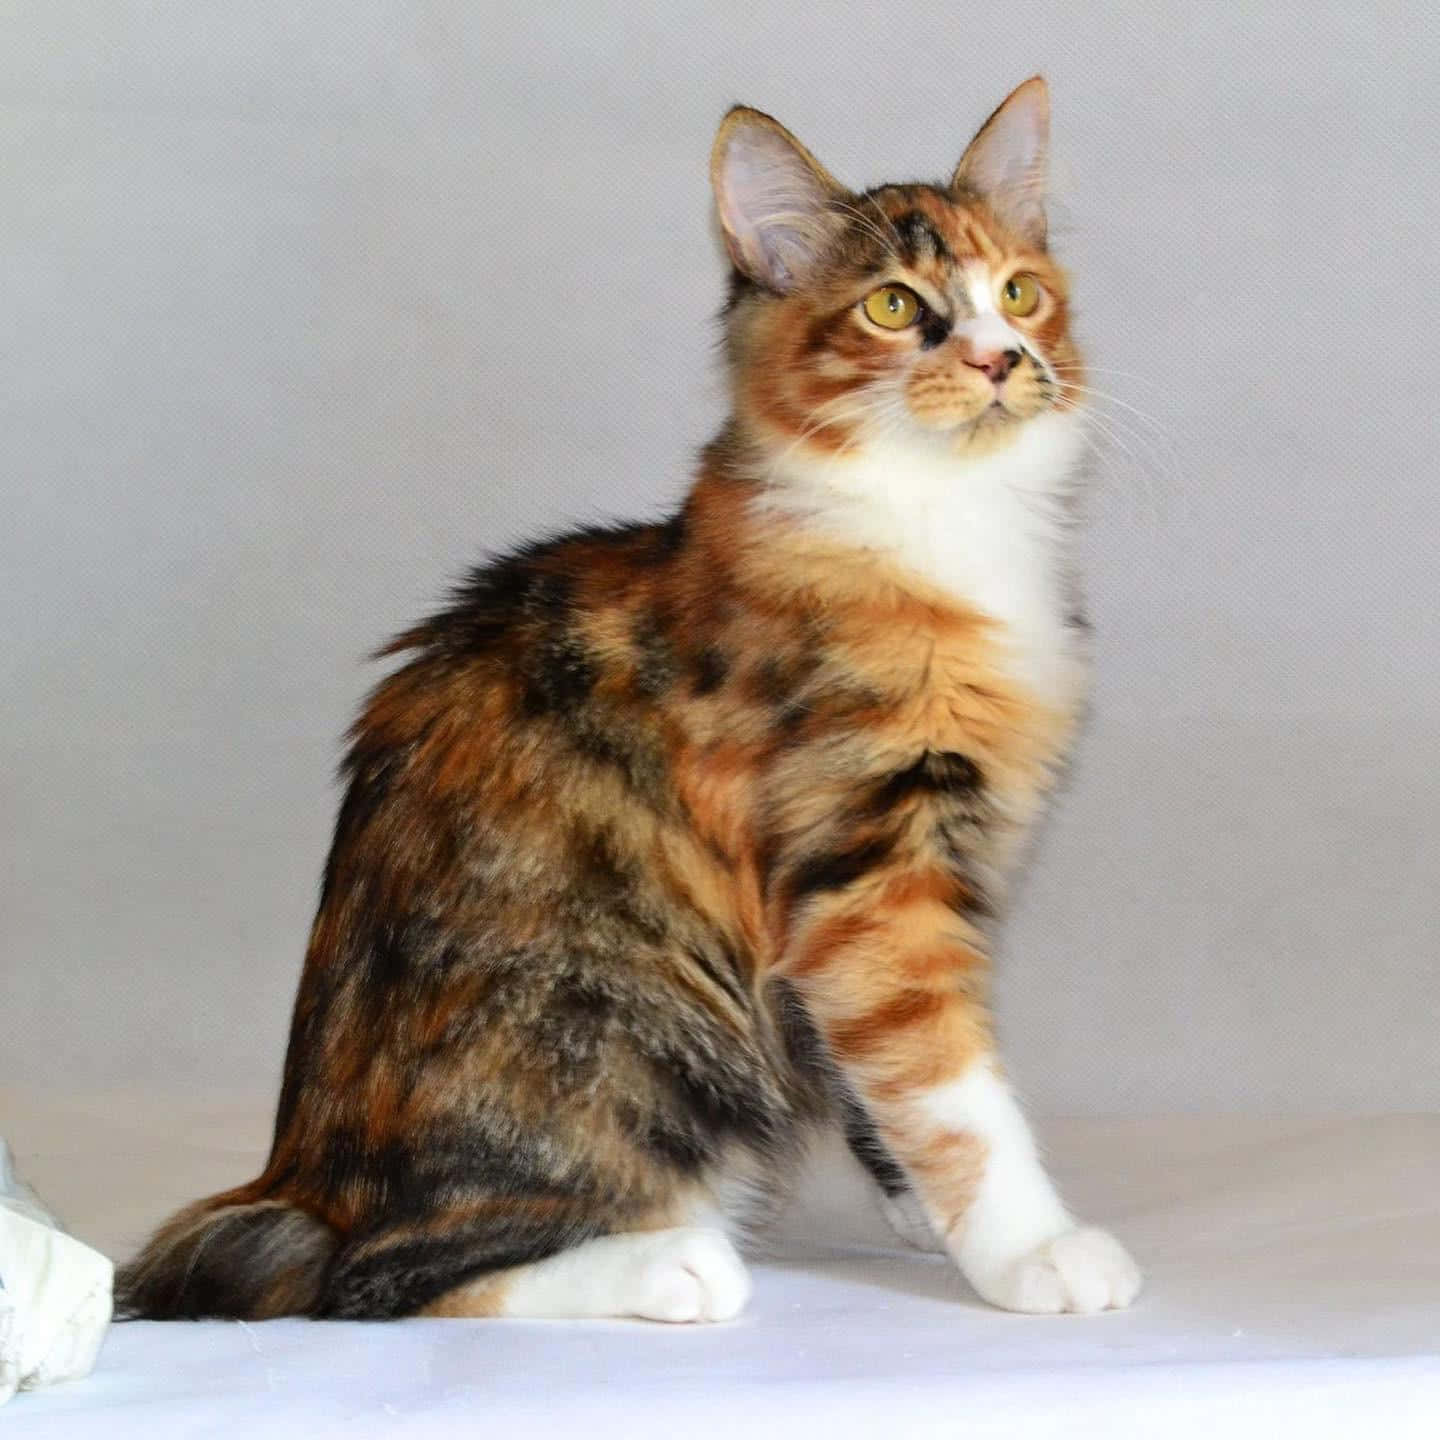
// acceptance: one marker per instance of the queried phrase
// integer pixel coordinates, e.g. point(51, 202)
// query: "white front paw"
point(1079, 1272)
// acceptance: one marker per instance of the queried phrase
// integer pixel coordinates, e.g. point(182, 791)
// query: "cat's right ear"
point(773, 197)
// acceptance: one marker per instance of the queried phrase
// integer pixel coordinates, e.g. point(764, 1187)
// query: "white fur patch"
point(986, 328)
point(682, 1276)
point(1015, 1206)
point(1017, 1244)
point(991, 530)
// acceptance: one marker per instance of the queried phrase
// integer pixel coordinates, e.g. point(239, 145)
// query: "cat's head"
point(931, 313)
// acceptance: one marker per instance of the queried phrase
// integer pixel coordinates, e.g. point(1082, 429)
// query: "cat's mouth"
point(997, 412)
point(961, 410)
point(1016, 410)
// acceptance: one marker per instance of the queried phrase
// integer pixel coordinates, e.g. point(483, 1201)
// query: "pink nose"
point(997, 364)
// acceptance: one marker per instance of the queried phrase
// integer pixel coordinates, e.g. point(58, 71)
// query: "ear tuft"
point(773, 199)
point(1006, 163)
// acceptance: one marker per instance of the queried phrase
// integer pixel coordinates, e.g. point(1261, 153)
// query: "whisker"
point(1142, 474)
point(1116, 400)
point(845, 408)
point(1152, 438)
point(1107, 370)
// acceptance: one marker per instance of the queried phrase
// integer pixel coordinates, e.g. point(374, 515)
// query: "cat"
point(668, 844)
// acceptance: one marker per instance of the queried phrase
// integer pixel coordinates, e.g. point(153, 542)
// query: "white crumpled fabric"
point(55, 1293)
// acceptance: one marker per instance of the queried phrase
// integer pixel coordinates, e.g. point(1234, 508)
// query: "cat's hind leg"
point(530, 1258)
point(682, 1275)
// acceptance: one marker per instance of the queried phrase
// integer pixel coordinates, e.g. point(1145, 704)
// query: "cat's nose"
point(997, 364)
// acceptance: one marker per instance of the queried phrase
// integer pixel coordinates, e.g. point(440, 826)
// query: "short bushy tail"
point(228, 1258)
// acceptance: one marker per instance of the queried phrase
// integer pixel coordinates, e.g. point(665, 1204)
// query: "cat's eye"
point(1020, 294)
point(892, 307)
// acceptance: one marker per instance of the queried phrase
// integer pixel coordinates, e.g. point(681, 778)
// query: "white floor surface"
point(1293, 1280)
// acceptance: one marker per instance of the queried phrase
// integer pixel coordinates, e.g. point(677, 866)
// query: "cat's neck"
point(991, 530)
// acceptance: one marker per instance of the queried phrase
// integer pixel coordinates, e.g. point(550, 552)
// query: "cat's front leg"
point(912, 1039)
point(1014, 1240)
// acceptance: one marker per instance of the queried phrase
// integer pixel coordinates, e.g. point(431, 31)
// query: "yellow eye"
point(1020, 295)
point(892, 307)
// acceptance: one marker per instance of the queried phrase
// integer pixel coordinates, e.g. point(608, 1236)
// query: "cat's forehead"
point(927, 226)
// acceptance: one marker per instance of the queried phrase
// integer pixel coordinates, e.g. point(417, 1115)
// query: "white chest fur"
point(992, 531)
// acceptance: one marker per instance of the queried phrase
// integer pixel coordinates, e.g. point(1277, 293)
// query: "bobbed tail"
point(229, 1258)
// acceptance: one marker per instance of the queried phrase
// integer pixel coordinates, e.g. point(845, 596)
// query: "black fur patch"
point(773, 683)
point(936, 772)
point(801, 1038)
point(721, 1101)
point(670, 538)
point(375, 1281)
point(560, 673)
point(531, 582)
point(780, 685)
point(934, 330)
point(388, 1174)
point(837, 869)
point(395, 947)
point(922, 241)
point(655, 665)
point(370, 784)
point(679, 1142)
point(721, 968)
point(402, 1178)
point(609, 740)
point(711, 668)
point(868, 1148)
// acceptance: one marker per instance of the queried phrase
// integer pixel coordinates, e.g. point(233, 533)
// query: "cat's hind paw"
point(691, 1275)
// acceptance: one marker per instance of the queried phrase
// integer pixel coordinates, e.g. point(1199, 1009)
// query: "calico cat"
point(667, 844)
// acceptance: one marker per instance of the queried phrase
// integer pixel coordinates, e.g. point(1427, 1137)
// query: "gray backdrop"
point(309, 303)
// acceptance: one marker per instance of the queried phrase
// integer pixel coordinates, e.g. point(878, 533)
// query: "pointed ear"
point(773, 199)
point(1006, 163)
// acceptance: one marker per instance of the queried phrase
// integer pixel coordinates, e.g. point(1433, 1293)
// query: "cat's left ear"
point(774, 199)
point(1006, 163)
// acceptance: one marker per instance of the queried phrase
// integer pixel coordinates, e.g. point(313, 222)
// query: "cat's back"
point(557, 649)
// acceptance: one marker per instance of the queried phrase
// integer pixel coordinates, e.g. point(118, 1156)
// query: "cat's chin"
point(993, 429)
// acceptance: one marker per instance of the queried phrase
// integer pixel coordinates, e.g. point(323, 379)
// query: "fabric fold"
point(55, 1292)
